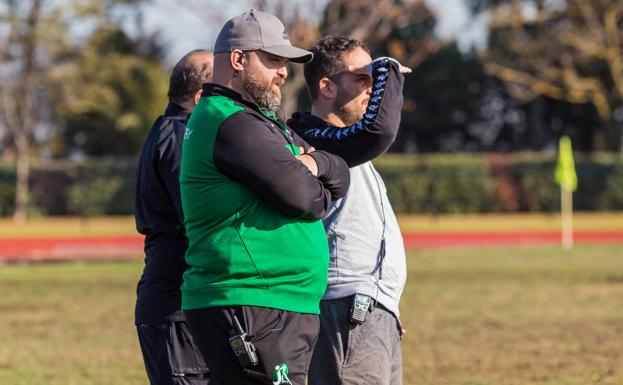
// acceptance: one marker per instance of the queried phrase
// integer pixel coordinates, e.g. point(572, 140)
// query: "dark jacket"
point(158, 214)
point(252, 209)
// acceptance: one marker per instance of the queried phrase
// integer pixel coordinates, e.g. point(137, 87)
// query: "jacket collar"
point(302, 121)
point(176, 110)
point(211, 89)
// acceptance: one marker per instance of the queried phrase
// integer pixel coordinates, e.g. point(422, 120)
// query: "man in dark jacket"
point(253, 193)
point(356, 103)
point(168, 350)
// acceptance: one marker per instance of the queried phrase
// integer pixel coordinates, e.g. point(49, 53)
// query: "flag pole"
point(566, 202)
point(566, 177)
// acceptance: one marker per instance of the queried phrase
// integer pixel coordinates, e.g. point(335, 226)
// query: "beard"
point(264, 96)
point(346, 109)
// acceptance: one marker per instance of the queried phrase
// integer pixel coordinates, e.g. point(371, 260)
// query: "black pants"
point(280, 337)
point(170, 355)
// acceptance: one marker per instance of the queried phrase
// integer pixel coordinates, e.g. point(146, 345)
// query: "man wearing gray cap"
point(253, 194)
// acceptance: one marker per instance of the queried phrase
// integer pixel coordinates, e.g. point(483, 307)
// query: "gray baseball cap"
point(259, 30)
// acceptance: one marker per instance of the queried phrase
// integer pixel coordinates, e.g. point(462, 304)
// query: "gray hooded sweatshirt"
point(366, 248)
point(356, 226)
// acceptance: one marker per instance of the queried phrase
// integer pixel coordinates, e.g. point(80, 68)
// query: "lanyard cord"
point(381, 254)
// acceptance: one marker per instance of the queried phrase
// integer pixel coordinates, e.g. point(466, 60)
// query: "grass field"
point(501, 316)
point(124, 225)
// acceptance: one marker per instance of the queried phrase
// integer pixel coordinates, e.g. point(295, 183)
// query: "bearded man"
point(253, 194)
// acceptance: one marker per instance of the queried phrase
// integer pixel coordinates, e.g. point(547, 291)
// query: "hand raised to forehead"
point(402, 69)
point(365, 70)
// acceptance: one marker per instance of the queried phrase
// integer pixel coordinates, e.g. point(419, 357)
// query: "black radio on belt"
point(359, 308)
point(242, 346)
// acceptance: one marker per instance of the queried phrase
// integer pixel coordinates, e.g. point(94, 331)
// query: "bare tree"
point(301, 20)
point(374, 22)
point(570, 51)
point(18, 93)
point(402, 28)
point(34, 42)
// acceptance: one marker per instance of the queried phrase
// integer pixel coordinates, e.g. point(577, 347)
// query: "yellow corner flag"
point(567, 179)
point(565, 168)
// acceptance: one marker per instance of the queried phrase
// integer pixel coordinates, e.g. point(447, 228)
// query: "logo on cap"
point(284, 35)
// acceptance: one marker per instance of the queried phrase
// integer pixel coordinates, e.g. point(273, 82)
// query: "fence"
point(431, 184)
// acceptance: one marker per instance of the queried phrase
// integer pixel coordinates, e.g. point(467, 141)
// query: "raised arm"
point(374, 134)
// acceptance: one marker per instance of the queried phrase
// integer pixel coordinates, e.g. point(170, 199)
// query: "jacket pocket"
point(187, 364)
point(249, 254)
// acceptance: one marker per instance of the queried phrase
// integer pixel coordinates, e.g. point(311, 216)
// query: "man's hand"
point(403, 69)
point(310, 149)
point(365, 70)
point(307, 160)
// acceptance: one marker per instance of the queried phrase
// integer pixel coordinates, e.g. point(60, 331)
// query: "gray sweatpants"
point(364, 354)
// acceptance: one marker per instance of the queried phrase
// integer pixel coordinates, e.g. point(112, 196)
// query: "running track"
point(131, 247)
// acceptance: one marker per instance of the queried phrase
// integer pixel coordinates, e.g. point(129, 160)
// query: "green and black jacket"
point(252, 210)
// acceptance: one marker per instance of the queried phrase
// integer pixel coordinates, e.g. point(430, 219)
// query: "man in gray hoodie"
point(356, 104)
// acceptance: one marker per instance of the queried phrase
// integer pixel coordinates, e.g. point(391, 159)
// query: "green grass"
point(514, 316)
point(65, 324)
point(498, 316)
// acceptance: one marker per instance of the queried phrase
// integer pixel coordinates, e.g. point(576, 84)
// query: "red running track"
point(131, 247)
point(74, 248)
point(526, 238)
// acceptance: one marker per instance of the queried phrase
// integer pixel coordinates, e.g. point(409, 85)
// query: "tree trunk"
point(22, 165)
point(26, 111)
point(293, 86)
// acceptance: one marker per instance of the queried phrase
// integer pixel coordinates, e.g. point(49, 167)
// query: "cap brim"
point(296, 55)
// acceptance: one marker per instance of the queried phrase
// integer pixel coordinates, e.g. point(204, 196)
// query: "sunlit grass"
point(69, 324)
point(515, 316)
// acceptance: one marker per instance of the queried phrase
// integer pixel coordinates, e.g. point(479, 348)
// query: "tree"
point(570, 51)
point(401, 29)
point(389, 27)
point(36, 42)
point(299, 17)
point(19, 93)
point(108, 94)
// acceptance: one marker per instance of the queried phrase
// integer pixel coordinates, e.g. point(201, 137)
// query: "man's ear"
point(235, 59)
point(327, 89)
point(197, 96)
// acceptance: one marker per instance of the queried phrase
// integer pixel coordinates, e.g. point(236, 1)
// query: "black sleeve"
point(247, 151)
point(331, 177)
point(374, 134)
point(169, 160)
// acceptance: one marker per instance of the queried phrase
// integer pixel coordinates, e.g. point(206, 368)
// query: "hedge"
point(497, 183)
point(431, 184)
point(87, 188)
